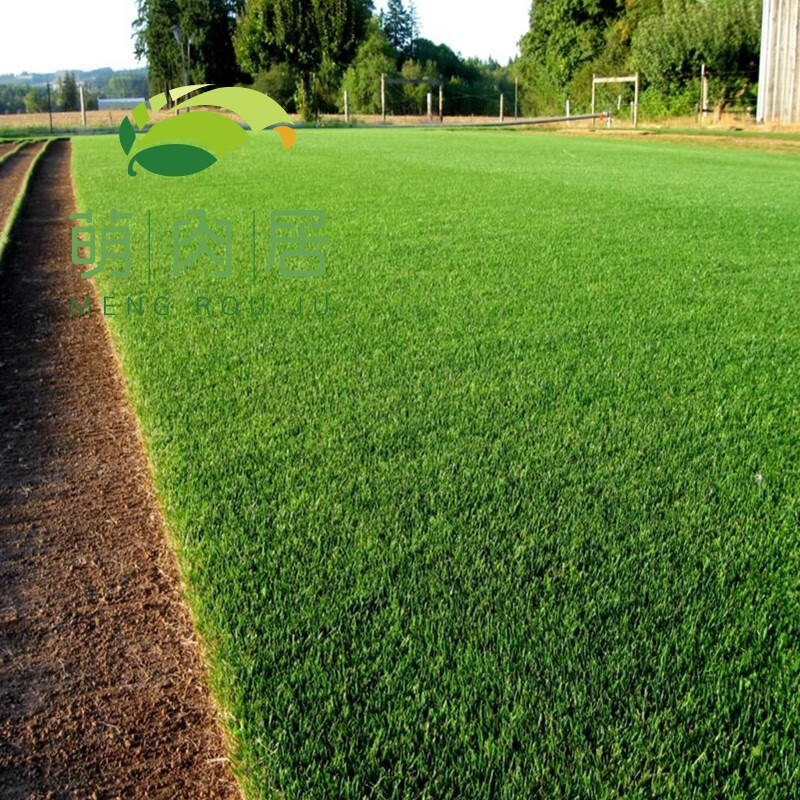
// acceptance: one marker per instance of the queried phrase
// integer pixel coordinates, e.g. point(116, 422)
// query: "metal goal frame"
point(634, 79)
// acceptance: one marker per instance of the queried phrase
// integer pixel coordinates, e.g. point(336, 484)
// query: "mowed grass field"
point(519, 516)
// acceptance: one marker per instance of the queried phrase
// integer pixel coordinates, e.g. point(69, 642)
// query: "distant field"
point(110, 119)
point(62, 120)
point(519, 517)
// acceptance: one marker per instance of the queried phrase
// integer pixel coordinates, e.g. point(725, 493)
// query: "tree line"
point(21, 98)
point(305, 53)
point(667, 41)
point(62, 96)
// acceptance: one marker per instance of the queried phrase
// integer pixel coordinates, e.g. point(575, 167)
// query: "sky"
point(480, 28)
point(48, 35)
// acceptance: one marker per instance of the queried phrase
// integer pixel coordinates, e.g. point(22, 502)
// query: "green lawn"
point(519, 516)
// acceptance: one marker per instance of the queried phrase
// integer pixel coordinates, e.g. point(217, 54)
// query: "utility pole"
point(383, 96)
point(186, 58)
point(346, 106)
point(501, 106)
point(704, 89)
point(441, 99)
point(516, 90)
point(49, 107)
point(83, 106)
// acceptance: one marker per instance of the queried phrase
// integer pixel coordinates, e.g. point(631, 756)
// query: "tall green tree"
point(211, 24)
point(36, 100)
point(399, 23)
point(564, 35)
point(155, 41)
point(362, 81)
point(209, 58)
point(305, 34)
point(67, 92)
point(279, 81)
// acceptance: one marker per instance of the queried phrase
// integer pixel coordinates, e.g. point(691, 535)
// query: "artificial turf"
point(518, 517)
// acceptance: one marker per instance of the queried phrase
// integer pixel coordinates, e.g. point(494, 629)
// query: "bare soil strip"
point(6, 146)
point(102, 691)
point(12, 174)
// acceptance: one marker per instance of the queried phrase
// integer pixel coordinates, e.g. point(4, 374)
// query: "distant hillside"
point(94, 78)
point(27, 90)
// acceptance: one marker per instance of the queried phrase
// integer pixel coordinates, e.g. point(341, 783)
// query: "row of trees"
point(64, 96)
point(17, 98)
point(471, 86)
point(304, 53)
point(12, 98)
point(665, 40)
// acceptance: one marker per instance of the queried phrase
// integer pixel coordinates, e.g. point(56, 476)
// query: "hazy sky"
point(49, 35)
point(473, 27)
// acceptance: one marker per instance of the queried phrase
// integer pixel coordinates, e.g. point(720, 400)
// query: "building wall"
point(779, 70)
point(118, 102)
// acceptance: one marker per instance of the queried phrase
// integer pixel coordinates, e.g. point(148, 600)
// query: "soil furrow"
point(102, 690)
point(12, 174)
point(6, 146)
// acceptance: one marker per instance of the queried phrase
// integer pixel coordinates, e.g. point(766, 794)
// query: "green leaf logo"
point(127, 135)
point(189, 143)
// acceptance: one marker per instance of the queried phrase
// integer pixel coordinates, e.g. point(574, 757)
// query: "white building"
point(118, 102)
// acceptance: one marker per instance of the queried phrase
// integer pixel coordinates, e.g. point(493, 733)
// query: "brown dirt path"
point(102, 691)
point(12, 173)
point(6, 146)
